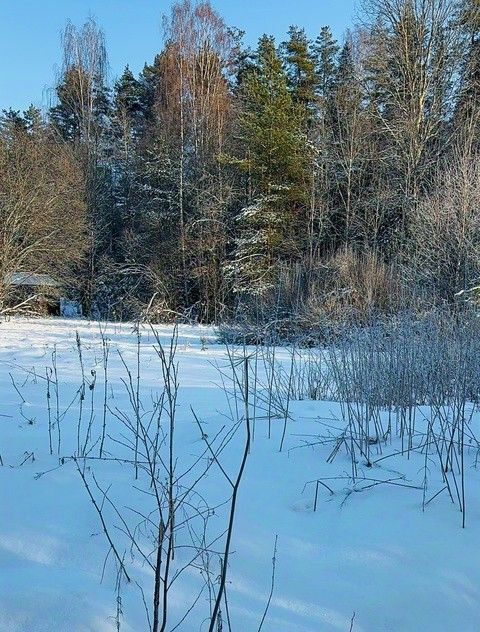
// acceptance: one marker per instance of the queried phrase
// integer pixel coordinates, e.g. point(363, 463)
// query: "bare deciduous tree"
point(414, 56)
point(42, 208)
point(446, 229)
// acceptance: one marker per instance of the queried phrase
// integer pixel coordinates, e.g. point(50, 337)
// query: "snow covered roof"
point(31, 279)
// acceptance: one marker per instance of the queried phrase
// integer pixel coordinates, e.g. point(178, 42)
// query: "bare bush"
point(357, 286)
point(405, 386)
point(446, 230)
point(167, 526)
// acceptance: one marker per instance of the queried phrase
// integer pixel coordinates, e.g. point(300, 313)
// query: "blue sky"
point(30, 33)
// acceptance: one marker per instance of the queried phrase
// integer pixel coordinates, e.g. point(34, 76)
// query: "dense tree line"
point(315, 175)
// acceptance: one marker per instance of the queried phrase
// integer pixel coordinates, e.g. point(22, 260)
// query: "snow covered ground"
point(367, 561)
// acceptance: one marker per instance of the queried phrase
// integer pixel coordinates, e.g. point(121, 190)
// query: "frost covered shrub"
point(355, 286)
point(445, 231)
point(311, 303)
point(403, 361)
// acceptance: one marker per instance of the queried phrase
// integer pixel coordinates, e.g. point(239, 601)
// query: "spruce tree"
point(127, 98)
point(345, 119)
point(325, 52)
point(82, 108)
point(126, 132)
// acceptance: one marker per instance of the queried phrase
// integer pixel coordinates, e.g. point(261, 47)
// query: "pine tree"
point(12, 121)
point(300, 68)
point(272, 223)
point(34, 120)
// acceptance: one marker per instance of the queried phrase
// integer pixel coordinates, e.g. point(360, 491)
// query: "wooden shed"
point(37, 292)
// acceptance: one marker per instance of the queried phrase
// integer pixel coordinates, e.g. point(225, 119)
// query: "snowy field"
point(367, 561)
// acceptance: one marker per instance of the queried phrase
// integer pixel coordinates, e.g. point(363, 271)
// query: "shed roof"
point(32, 279)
